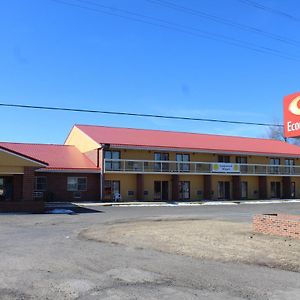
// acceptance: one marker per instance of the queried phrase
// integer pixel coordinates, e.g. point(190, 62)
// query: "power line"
point(221, 20)
point(130, 114)
point(179, 28)
point(270, 10)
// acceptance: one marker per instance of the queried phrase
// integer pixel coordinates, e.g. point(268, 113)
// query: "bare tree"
point(276, 132)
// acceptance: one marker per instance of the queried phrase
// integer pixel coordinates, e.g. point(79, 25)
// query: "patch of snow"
point(219, 203)
point(61, 211)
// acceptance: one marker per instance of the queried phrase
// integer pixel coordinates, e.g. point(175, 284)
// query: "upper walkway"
point(197, 168)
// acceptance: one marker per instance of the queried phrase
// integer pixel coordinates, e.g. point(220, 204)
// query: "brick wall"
point(277, 224)
point(57, 187)
point(28, 183)
point(18, 187)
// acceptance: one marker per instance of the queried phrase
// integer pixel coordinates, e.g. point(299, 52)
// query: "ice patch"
point(61, 211)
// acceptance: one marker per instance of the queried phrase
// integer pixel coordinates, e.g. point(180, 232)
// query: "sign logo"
point(291, 109)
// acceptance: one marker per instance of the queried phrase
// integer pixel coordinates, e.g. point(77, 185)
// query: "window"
point(289, 162)
point(113, 163)
point(275, 189)
point(289, 165)
point(77, 184)
point(184, 190)
point(40, 183)
point(224, 158)
point(181, 158)
point(223, 190)
point(242, 160)
point(111, 188)
point(274, 162)
point(161, 190)
point(161, 157)
point(244, 189)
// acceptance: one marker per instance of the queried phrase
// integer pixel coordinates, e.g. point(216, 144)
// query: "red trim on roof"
point(184, 140)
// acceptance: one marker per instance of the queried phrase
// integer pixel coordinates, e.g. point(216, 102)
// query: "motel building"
point(98, 163)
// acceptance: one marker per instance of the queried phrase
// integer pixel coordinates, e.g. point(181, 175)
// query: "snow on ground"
point(61, 211)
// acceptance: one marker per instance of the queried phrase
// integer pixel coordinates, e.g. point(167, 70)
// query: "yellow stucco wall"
point(81, 141)
point(196, 181)
point(11, 170)
point(11, 163)
point(297, 183)
point(127, 183)
point(253, 186)
point(194, 157)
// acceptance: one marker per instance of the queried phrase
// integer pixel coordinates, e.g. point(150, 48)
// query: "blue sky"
point(61, 55)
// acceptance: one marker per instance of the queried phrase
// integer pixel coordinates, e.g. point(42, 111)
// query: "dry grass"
point(204, 239)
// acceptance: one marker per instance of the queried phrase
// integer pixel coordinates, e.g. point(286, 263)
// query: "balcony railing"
point(175, 167)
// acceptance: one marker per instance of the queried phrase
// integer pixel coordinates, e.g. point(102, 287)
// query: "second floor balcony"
point(176, 167)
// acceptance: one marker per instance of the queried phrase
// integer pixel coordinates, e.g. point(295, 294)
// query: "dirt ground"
point(205, 239)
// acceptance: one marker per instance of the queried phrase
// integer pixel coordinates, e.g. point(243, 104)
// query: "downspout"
point(102, 148)
point(100, 179)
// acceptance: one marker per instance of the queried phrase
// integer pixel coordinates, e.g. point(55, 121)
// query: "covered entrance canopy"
point(16, 179)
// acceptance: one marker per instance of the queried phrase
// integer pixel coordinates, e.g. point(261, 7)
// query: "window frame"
point(238, 160)
point(274, 162)
point(289, 168)
point(289, 160)
point(223, 158)
point(77, 184)
point(245, 183)
point(183, 165)
point(158, 165)
point(181, 192)
point(243, 165)
point(36, 184)
point(110, 185)
point(111, 165)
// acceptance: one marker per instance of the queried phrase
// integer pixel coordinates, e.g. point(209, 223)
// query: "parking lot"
point(47, 257)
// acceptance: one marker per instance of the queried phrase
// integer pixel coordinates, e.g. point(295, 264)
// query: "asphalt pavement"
point(43, 257)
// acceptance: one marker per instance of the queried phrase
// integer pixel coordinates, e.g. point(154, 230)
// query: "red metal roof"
point(188, 141)
point(56, 156)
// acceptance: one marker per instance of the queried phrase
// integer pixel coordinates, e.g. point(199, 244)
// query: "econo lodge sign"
point(291, 109)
